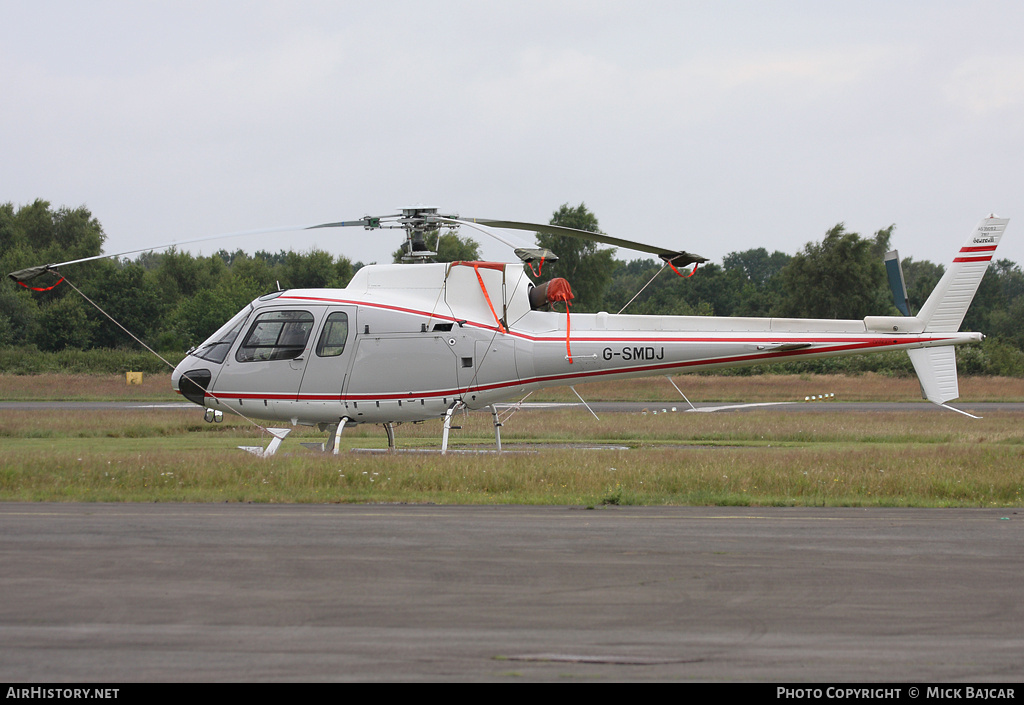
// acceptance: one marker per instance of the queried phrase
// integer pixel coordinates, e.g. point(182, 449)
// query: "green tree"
point(666, 295)
point(587, 268)
point(920, 279)
point(255, 270)
point(452, 247)
point(59, 235)
point(197, 317)
point(272, 259)
point(316, 269)
point(310, 270)
point(759, 286)
point(998, 307)
point(37, 234)
point(19, 316)
point(64, 324)
point(757, 266)
point(180, 274)
point(843, 276)
point(128, 294)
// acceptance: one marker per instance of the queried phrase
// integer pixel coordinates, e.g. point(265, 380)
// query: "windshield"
point(216, 347)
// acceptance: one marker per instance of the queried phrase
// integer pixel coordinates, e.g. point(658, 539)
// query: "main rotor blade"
point(368, 222)
point(526, 254)
point(23, 275)
point(676, 257)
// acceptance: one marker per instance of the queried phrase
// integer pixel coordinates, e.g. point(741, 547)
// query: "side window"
point(335, 333)
point(276, 335)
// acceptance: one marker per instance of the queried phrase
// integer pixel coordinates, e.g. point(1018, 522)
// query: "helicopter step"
point(279, 435)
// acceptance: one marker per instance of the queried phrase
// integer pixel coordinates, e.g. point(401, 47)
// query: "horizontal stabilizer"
point(936, 370)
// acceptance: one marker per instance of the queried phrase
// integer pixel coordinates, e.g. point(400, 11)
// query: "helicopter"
point(408, 343)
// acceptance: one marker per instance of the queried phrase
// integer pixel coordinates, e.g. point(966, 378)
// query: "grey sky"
point(712, 127)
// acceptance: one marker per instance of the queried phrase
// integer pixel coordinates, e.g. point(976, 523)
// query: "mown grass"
point(752, 458)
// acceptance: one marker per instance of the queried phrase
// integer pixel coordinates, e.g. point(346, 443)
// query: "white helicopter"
point(407, 343)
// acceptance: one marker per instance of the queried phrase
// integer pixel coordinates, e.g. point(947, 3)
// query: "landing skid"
point(455, 406)
point(333, 444)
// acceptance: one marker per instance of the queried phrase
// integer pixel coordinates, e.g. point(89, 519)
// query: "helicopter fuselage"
point(405, 342)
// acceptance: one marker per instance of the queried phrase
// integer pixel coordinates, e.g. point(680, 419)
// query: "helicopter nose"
point(193, 385)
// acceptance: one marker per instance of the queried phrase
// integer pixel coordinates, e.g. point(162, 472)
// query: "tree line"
point(173, 300)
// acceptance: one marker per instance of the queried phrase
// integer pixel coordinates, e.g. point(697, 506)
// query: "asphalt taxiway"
point(228, 592)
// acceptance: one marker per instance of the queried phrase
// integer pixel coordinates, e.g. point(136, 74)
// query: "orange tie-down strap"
point(476, 268)
point(497, 266)
point(684, 276)
point(559, 290)
point(42, 288)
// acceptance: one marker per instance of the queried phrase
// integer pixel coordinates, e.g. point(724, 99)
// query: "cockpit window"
point(216, 347)
point(276, 335)
point(335, 333)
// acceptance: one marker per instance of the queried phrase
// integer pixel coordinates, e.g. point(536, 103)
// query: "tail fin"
point(945, 309)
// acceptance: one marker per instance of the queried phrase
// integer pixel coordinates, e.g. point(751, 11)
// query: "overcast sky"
point(712, 127)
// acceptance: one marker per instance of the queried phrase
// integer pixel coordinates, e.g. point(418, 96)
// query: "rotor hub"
point(417, 222)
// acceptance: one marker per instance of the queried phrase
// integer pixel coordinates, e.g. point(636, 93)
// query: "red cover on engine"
point(559, 290)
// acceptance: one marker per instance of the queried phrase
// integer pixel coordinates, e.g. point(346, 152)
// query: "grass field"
point(565, 457)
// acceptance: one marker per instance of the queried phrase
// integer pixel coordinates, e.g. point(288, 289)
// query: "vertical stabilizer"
point(945, 309)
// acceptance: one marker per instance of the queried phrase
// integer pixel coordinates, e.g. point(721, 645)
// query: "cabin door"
point(329, 357)
point(270, 360)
